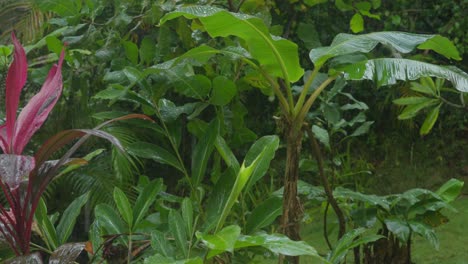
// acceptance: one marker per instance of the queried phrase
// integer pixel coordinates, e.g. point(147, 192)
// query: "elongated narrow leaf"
point(411, 100)
point(66, 253)
point(150, 151)
point(124, 207)
point(68, 219)
point(264, 214)
point(256, 162)
point(347, 44)
point(278, 56)
point(109, 219)
point(145, 200)
point(389, 71)
point(177, 228)
point(202, 152)
point(187, 215)
point(450, 190)
point(430, 120)
point(412, 110)
point(45, 225)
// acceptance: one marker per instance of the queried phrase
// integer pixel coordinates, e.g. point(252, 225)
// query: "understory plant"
point(24, 178)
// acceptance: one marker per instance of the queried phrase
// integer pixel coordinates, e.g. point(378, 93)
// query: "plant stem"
point(326, 185)
point(305, 89)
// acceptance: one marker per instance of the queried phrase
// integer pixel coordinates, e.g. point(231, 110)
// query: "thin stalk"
point(308, 104)
point(307, 84)
point(326, 185)
point(129, 252)
point(48, 251)
point(450, 103)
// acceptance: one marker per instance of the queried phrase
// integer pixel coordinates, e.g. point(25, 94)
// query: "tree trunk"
point(292, 209)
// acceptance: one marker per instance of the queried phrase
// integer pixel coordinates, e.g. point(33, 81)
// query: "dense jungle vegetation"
point(233, 131)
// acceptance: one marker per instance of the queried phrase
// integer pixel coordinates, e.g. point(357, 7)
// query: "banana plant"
point(276, 59)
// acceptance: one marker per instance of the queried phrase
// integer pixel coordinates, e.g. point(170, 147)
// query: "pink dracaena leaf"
point(38, 108)
point(15, 80)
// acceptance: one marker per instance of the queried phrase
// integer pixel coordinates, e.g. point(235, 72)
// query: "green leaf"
point(345, 194)
point(147, 50)
point(264, 214)
point(412, 110)
point(357, 23)
point(450, 190)
point(187, 214)
point(347, 44)
point(68, 219)
point(109, 219)
point(177, 228)
point(131, 51)
point(62, 8)
point(54, 44)
point(350, 240)
point(196, 86)
point(430, 120)
point(48, 231)
point(362, 129)
point(161, 244)
point(399, 228)
point(278, 244)
point(170, 112)
point(427, 232)
point(442, 46)
point(387, 71)
point(322, 135)
point(255, 164)
point(202, 152)
point(223, 91)
point(124, 207)
point(150, 151)
point(145, 200)
point(222, 241)
point(411, 100)
point(415, 86)
point(278, 56)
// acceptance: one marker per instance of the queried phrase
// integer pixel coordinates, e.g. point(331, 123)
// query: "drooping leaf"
point(388, 71)
point(399, 228)
point(347, 44)
point(425, 231)
point(264, 214)
point(150, 151)
point(66, 253)
point(277, 55)
point(68, 219)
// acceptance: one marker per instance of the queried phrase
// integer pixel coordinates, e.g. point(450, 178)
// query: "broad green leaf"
point(343, 193)
point(131, 51)
point(223, 91)
point(411, 100)
point(109, 219)
point(161, 244)
point(278, 244)
point(425, 231)
point(222, 241)
point(264, 214)
point(177, 228)
point(322, 135)
point(412, 110)
point(150, 151)
point(357, 23)
point(278, 56)
point(442, 46)
point(66, 253)
point(68, 219)
point(430, 120)
point(54, 44)
point(348, 242)
point(399, 228)
point(347, 44)
point(195, 86)
point(387, 71)
point(202, 152)
point(147, 50)
point(145, 200)
point(450, 190)
point(45, 225)
point(124, 207)
point(187, 214)
point(256, 163)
